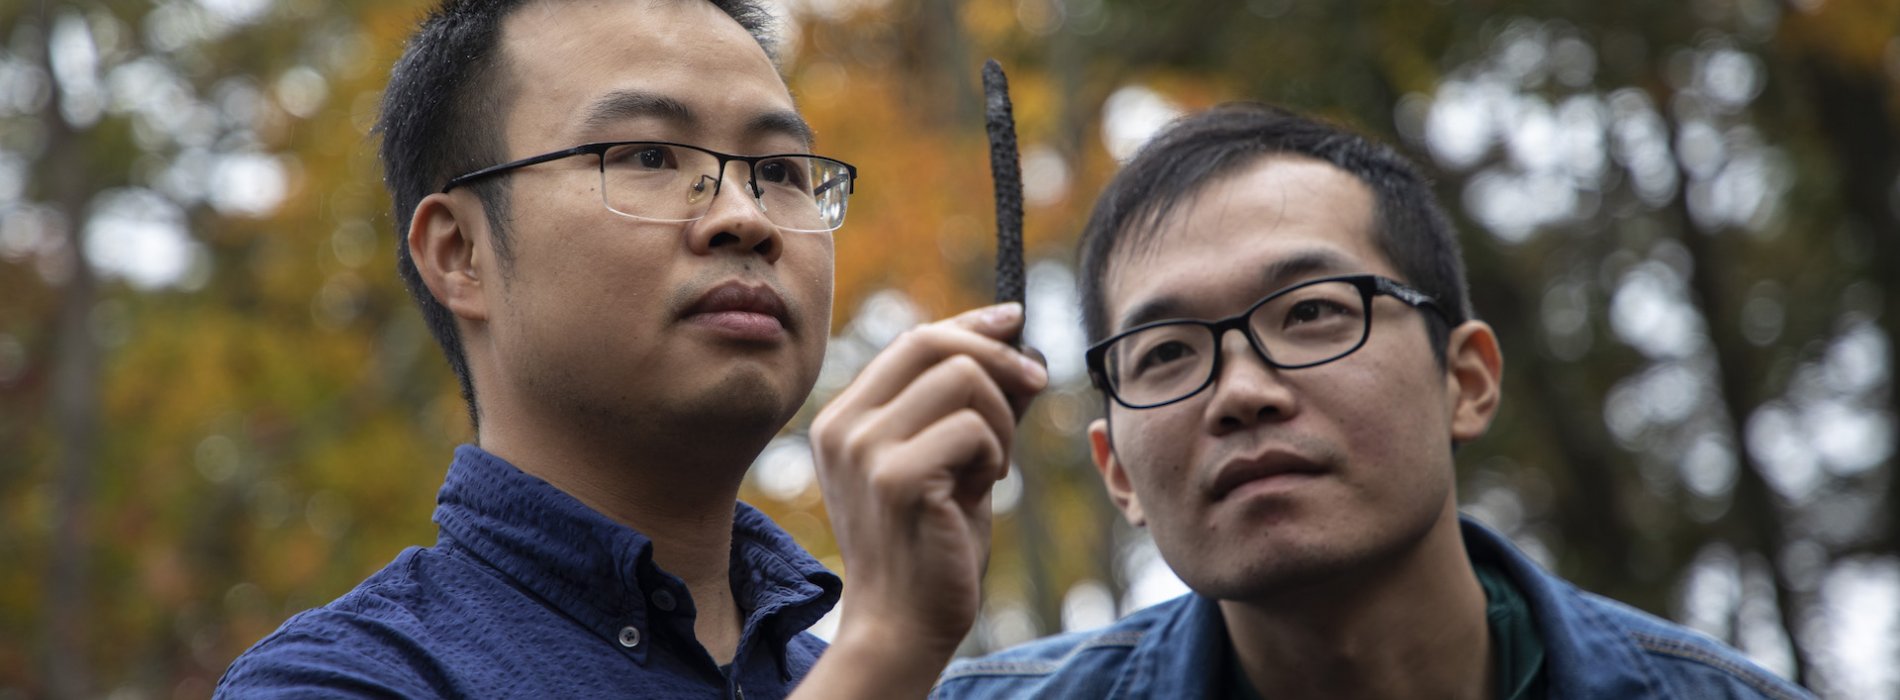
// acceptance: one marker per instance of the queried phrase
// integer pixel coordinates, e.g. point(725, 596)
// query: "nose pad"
point(734, 227)
point(1247, 391)
point(708, 186)
point(704, 188)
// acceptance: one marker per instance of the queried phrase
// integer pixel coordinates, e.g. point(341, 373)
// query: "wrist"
point(863, 662)
point(903, 651)
point(929, 632)
point(880, 635)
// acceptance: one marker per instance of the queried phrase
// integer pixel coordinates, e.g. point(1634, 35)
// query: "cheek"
point(808, 270)
point(819, 280)
point(1156, 448)
point(807, 258)
point(1394, 415)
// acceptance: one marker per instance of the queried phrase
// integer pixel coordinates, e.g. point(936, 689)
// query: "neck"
point(1414, 627)
point(677, 489)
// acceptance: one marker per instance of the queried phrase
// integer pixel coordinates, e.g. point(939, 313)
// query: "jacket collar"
point(1586, 654)
point(1182, 654)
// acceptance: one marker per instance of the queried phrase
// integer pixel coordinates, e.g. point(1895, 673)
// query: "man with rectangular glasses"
point(1289, 361)
point(631, 320)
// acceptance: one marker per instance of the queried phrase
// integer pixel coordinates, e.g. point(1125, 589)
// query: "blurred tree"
point(188, 199)
point(75, 385)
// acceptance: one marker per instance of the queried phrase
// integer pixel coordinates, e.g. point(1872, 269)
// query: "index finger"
point(978, 334)
point(1002, 322)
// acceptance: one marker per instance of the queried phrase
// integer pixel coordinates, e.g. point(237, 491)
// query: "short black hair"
point(1409, 226)
point(444, 113)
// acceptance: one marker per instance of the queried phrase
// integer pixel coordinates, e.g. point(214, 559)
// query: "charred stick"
point(1006, 170)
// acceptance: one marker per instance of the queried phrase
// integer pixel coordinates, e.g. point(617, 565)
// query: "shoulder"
point(1077, 664)
point(1598, 647)
point(372, 641)
point(1687, 661)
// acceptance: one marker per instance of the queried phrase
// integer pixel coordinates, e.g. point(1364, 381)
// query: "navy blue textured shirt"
point(529, 593)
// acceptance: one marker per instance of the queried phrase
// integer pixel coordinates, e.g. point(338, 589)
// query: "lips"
point(740, 298)
point(1265, 465)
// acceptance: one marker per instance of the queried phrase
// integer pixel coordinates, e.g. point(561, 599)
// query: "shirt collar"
point(600, 572)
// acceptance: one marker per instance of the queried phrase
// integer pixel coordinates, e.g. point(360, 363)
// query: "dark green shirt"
point(1515, 645)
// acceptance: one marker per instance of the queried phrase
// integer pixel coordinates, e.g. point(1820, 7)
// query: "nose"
point(736, 221)
point(1247, 392)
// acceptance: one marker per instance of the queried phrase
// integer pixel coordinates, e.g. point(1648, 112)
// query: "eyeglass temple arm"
point(833, 182)
point(464, 179)
point(1410, 296)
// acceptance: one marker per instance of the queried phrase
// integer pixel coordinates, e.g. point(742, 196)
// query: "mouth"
point(1269, 467)
point(742, 310)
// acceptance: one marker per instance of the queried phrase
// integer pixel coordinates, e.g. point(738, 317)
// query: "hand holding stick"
point(907, 456)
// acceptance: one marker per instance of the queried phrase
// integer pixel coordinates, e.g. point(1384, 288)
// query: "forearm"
point(873, 665)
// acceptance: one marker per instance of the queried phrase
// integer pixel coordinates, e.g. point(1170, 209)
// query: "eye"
point(643, 157)
point(1314, 311)
point(1161, 355)
point(781, 171)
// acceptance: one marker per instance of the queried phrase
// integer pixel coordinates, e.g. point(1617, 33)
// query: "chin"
point(1292, 559)
point(1266, 572)
point(740, 402)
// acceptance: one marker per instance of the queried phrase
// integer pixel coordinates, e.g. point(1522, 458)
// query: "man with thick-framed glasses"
point(1288, 360)
point(1305, 325)
point(631, 320)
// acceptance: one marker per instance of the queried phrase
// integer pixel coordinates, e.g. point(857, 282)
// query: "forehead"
point(1270, 224)
point(595, 71)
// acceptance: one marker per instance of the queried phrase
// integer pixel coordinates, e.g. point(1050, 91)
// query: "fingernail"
point(1001, 314)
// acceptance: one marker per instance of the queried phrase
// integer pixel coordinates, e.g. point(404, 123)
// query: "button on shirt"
point(529, 593)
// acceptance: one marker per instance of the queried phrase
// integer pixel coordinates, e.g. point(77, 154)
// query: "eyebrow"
point(1276, 276)
point(622, 105)
point(781, 122)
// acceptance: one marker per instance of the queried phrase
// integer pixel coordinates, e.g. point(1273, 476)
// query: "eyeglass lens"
point(671, 183)
point(1299, 327)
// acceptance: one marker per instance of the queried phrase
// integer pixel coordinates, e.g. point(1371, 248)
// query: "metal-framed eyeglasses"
point(676, 182)
point(1308, 324)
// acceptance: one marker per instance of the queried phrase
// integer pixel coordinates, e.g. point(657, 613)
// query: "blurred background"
point(218, 408)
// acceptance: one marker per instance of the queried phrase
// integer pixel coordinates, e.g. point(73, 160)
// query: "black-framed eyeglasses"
point(676, 182)
point(1307, 324)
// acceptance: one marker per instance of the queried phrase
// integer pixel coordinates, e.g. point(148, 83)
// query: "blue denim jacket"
point(1594, 648)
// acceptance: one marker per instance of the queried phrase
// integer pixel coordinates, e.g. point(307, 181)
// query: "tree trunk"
point(76, 379)
point(1756, 520)
point(1854, 110)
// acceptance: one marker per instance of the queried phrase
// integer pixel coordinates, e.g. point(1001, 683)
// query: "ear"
point(1114, 476)
point(445, 241)
point(1474, 374)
